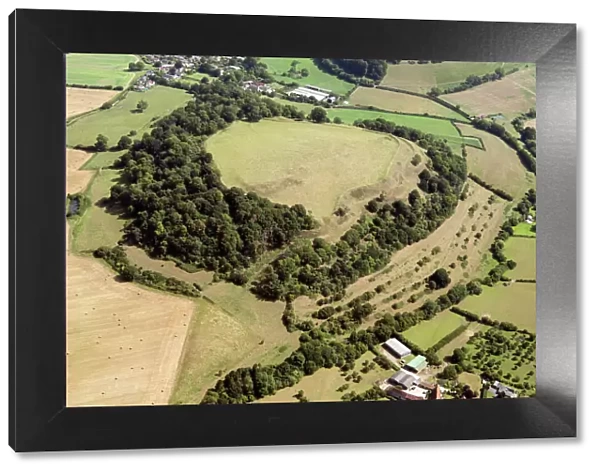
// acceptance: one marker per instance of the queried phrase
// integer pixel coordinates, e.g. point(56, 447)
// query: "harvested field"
point(168, 268)
point(522, 251)
point(423, 77)
point(120, 119)
point(123, 342)
point(401, 273)
point(510, 96)
point(279, 65)
point(323, 385)
point(498, 164)
point(98, 226)
point(231, 329)
point(83, 100)
point(297, 162)
point(77, 179)
point(429, 332)
point(399, 102)
point(514, 303)
point(99, 69)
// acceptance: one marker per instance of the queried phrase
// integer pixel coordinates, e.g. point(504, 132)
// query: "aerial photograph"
point(287, 229)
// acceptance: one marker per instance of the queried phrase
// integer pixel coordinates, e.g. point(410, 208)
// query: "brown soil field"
point(84, 100)
point(124, 342)
point(77, 180)
point(400, 274)
point(399, 102)
point(168, 268)
point(498, 164)
point(513, 94)
point(231, 329)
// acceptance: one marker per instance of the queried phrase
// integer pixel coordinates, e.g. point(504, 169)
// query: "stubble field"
point(84, 100)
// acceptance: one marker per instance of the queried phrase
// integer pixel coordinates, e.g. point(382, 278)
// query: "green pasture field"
point(423, 77)
point(299, 162)
point(316, 77)
point(522, 251)
point(323, 385)
point(102, 160)
point(97, 226)
point(444, 129)
point(100, 69)
point(399, 102)
point(514, 303)
point(429, 332)
point(230, 329)
point(524, 229)
point(122, 117)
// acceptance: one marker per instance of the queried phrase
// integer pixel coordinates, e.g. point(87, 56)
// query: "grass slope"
point(279, 65)
point(99, 69)
point(399, 102)
point(423, 77)
point(121, 118)
point(300, 162)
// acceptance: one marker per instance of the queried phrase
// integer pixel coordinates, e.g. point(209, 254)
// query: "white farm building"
point(397, 348)
point(312, 91)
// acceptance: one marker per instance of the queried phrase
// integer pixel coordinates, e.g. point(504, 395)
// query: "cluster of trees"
point(527, 134)
point(77, 204)
point(136, 66)
point(117, 259)
point(499, 192)
point(326, 269)
point(494, 128)
point(174, 198)
point(439, 279)
point(367, 72)
point(470, 82)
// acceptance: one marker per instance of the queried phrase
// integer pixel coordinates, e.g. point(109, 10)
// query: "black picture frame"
point(39, 420)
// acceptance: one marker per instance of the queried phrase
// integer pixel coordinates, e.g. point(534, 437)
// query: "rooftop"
point(418, 363)
point(397, 347)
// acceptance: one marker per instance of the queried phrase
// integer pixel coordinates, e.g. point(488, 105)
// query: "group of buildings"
point(256, 86)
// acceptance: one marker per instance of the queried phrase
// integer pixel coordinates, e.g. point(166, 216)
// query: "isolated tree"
point(142, 105)
point(124, 142)
point(337, 121)
point(101, 143)
point(439, 279)
point(318, 115)
point(304, 72)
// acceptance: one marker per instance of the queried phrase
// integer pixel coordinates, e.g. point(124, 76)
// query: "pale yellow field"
point(77, 180)
point(498, 164)
point(123, 342)
point(84, 100)
point(509, 96)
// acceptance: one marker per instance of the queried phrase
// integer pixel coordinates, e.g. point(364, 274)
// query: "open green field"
point(423, 77)
point(230, 329)
point(97, 226)
point(102, 160)
point(429, 332)
point(514, 303)
point(399, 102)
point(122, 117)
point(99, 69)
point(524, 229)
point(279, 65)
point(442, 128)
point(299, 162)
point(522, 251)
point(324, 384)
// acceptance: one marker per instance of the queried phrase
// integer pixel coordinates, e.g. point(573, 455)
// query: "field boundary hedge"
point(499, 192)
point(485, 320)
point(481, 143)
point(107, 105)
point(433, 99)
point(377, 109)
point(448, 338)
point(524, 236)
